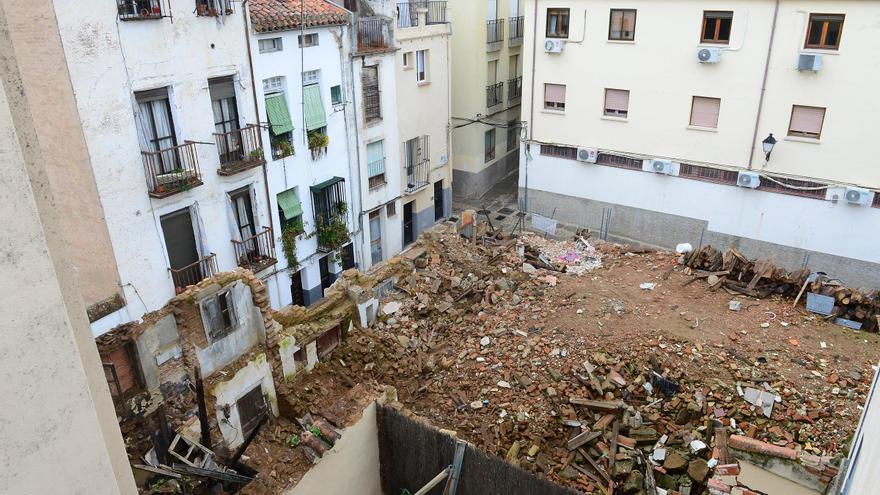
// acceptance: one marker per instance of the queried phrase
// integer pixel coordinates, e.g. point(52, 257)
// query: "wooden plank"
point(583, 438)
point(593, 463)
point(598, 405)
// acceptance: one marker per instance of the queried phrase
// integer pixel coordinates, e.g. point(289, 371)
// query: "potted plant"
point(257, 154)
point(289, 233)
point(157, 11)
point(202, 8)
point(318, 142)
point(283, 148)
point(212, 11)
point(228, 10)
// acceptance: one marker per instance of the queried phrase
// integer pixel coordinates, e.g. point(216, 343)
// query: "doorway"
point(439, 207)
point(326, 280)
point(376, 236)
point(251, 408)
point(408, 227)
point(180, 242)
point(296, 289)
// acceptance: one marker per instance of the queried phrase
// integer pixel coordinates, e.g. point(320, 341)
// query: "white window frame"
point(408, 60)
point(273, 85)
point(422, 66)
point(311, 39)
point(311, 77)
point(269, 45)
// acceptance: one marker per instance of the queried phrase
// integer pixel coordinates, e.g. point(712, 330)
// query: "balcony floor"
point(236, 167)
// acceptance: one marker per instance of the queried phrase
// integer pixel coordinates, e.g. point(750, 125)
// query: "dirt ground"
point(541, 331)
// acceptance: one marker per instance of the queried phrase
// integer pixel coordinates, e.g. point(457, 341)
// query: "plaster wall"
point(249, 331)
point(257, 373)
point(160, 339)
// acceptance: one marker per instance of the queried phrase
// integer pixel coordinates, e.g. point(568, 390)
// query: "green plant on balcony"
point(318, 142)
point(333, 234)
point(256, 154)
point(289, 234)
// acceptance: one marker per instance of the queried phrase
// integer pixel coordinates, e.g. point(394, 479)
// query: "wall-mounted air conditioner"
point(857, 196)
point(809, 61)
point(588, 155)
point(658, 166)
point(709, 55)
point(553, 46)
point(748, 179)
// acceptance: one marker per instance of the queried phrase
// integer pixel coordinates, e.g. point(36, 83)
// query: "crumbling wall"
point(256, 373)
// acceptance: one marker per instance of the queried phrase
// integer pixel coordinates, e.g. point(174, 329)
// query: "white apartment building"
point(487, 69)
point(304, 89)
point(165, 96)
point(648, 121)
point(423, 92)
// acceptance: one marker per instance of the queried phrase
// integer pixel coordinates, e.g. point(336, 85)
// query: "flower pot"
point(212, 12)
point(202, 8)
point(157, 10)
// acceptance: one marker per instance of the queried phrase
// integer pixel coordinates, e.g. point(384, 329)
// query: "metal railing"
point(239, 149)
point(514, 89)
point(494, 94)
point(194, 272)
point(133, 10)
point(371, 34)
point(494, 33)
point(417, 175)
point(172, 170)
point(408, 12)
point(517, 25)
point(436, 12)
point(376, 173)
point(257, 252)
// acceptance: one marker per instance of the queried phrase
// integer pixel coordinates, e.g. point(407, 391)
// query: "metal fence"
point(256, 252)
point(239, 149)
point(172, 170)
point(371, 33)
point(494, 31)
point(514, 89)
point(408, 12)
point(517, 25)
point(194, 273)
point(494, 94)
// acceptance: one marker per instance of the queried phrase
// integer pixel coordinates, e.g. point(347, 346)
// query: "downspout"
point(531, 123)
point(763, 84)
point(247, 38)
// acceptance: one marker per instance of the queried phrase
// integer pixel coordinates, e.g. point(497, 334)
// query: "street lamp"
point(768, 145)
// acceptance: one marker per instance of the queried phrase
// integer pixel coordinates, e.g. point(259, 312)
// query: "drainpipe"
point(531, 124)
point(247, 38)
point(763, 84)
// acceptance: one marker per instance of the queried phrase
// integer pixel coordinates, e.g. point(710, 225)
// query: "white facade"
point(804, 222)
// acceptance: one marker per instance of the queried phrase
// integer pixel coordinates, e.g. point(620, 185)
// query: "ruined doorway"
point(296, 289)
point(408, 227)
point(251, 408)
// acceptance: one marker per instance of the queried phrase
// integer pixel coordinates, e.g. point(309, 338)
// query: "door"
point(244, 213)
point(408, 227)
point(326, 281)
point(439, 208)
point(348, 257)
point(226, 123)
point(180, 239)
point(251, 408)
point(157, 127)
point(376, 236)
point(296, 289)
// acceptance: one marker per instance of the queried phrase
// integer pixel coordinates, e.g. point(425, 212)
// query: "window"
point(554, 97)
point(218, 315)
point(622, 26)
point(823, 31)
point(314, 116)
point(139, 9)
point(328, 199)
point(311, 77)
point(307, 40)
point(417, 162)
point(704, 111)
point(156, 127)
point(557, 23)
point(806, 121)
point(336, 95)
point(490, 145)
point(273, 84)
point(512, 134)
point(370, 87)
point(617, 102)
point(376, 164)
point(716, 27)
point(280, 124)
point(290, 208)
point(375, 219)
point(270, 45)
point(407, 60)
point(226, 124)
point(422, 65)
point(391, 209)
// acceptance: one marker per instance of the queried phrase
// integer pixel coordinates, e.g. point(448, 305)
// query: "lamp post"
point(768, 143)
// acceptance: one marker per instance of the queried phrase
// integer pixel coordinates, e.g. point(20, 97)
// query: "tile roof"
point(281, 15)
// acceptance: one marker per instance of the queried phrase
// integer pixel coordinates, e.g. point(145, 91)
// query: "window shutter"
point(230, 305)
point(807, 120)
point(704, 112)
point(617, 99)
point(628, 22)
point(554, 93)
point(212, 318)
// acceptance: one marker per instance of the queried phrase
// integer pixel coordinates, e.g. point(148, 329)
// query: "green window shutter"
point(279, 116)
point(313, 108)
point(290, 204)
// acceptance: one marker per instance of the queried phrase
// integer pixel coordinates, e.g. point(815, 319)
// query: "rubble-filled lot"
point(541, 367)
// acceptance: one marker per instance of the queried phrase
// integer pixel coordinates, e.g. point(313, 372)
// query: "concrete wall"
point(861, 475)
point(257, 373)
point(59, 429)
point(159, 340)
point(351, 466)
point(248, 332)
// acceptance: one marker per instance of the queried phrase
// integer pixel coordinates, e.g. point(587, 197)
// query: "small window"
point(270, 45)
point(407, 60)
point(312, 77)
point(554, 96)
point(422, 65)
point(273, 84)
point(806, 121)
point(617, 102)
point(307, 40)
point(218, 315)
point(716, 27)
point(490, 145)
point(391, 209)
point(704, 111)
point(376, 164)
point(824, 30)
point(622, 26)
point(336, 95)
point(557, 23)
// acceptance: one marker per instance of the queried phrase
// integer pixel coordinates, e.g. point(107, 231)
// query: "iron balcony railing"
point(172, 170)
point(376, 173)
point(371, 34)
point(194, 272)
point(408, 12)
point(436, 12)
point(494, 94)
point(494, 33)
point(257, 252)
point(239, 149)
point(134, 10)
point(515, 31)
point(514, 89)
point(417, 175)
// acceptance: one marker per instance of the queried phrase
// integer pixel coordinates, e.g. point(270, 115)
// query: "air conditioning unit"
point(809, 61)
point(857, 196)
point(553, 46)
point(589, 155)
point(666, 167)
point(748, 179)
point(709, 55)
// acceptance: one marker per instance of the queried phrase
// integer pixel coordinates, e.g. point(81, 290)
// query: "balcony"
point(139, 10)
point(376, 173)
point(417, 175)
point(373, 34)
point(408, 12)
point(494, 34)
point(239, 150)
point(256, 253)
point(194, 273)
point(514, 90)
point(172, 170)
point(494, 94)
point(517, 24)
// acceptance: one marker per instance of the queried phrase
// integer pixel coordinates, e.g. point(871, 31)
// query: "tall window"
point(157, 126)
point(417, 153)
point(617, 102)
point(489, 145)
point(370, 87)
point(222, 91)
point(218, 315)
point(557, 23)
point(421, 65)
point(716, 27)
point(704, 112)
point(376, 163)
point(278, 116)
point(824, 31)
point(806, 121)
point(554, 96)
point(622, 25)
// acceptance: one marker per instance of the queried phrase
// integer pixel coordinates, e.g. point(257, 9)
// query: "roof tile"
point(282, 15)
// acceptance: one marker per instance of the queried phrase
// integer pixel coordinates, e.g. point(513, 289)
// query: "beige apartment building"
point(423, 109)
point(747, 123)
point(487, 69)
